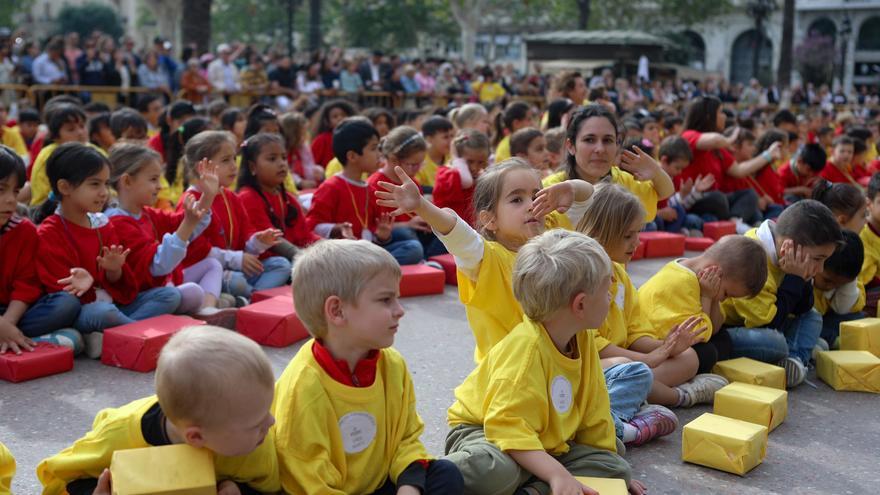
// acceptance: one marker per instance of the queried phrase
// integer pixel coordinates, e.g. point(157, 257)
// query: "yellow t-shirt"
point(822, 304)
point(333, 438)
point(120, 429)
point(760, 310)
point(488, 92)
point(642, 189)
point(872, 255)
point(528, 396)
point(39, 180)
point(625, 319)
point(502, 152)
point(335, 166)
point(7, 470)
point(669, 298)
point(492, 310)
point(170, 194)
point(12, 138)
point(427, 175)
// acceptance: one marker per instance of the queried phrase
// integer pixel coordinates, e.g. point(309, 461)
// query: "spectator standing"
point(375, 73)
point(222, 73)
point(51, 67)
point(152, 75)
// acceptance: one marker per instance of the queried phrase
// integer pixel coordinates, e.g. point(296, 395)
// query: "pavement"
point(829, 444)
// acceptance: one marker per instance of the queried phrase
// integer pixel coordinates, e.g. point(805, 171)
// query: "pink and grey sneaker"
point(653, 421)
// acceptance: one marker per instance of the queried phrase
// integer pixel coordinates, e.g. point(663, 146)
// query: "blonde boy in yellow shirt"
point(346, 406)
point(213, 390)
point(535, 412)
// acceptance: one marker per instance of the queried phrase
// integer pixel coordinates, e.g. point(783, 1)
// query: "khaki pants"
point(489, 471)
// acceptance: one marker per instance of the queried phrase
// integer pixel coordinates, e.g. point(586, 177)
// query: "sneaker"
point(66, 337)
point(434, 264)
point(795, 371)
point(94, 344)
point(821, 345)
point(701, 389)
point(226, 301)
point(653, 421)
point(224, 318)
point(241, 301)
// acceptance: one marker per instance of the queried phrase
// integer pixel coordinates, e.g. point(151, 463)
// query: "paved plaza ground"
point(830, 443)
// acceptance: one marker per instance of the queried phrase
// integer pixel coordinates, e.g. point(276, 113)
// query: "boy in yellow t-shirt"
point(213, 391)
point(438, 132)
point(535, 412)
point(838, 294)
point(346, 406)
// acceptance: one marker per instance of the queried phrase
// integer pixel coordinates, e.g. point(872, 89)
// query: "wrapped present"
point(168, 470)
point(136, 346)
point(420, 280)
point(861, 335)
point(747, 370)
point(717, 230)
point(753, 403)
point(262, 295)
point(447, 261)
point(856, 371)
point(723, 443)
point(605, 486)
point(272, 322)
point(639, 253)
point(46, 359)
point(698, 243)
point(662, 244)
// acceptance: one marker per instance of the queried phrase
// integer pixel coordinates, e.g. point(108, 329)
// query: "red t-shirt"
point(770, 184)
point(18, 271)
point(834, 174)
point(704, 162)
point(144, 236)
point(337, 200)
point(373, 183)
point(297, 232)
point(230, 227)
point(364, 371)
point(158, 144)
point(448, 193)
point(322, 148)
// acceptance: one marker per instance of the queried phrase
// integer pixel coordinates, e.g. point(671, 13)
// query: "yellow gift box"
point(167, 470)
point(605, 486)
point(857, 371)
point(747, 370)
point(861, 335)
point(723, 443)
point(753, 403)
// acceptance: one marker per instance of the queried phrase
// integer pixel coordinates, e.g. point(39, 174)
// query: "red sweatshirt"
point(449, 194)
point(18, 271)
point(297, 233)
point(322, 148)
point(337, 201)
point(834, 174)
point(373, 183)
point(230, 226)
point(143, 237)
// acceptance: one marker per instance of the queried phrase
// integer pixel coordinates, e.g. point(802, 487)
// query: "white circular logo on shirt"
point(620, 297)
point(560, 394)
point(358, 431)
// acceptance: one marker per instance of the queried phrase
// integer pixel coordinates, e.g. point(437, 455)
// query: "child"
point(342, 205)
point(381, 118)
point(779, 325)
point(329, 116)
point(517, 115)
point(25, 312)
point(178, 113)
point(261, 118)
point(840, 168)
point(695, 287)
point(510, 208)
point(838, 294)
point(100, 133)
point(128, 124)
point(555, 138)
point(471, 116)
point(174, 180)
point(213, 391)
point(846, 202)
point(766, 181)
point(673, 125)
point(454, 188)
point(534, 413)
point(346, 406)
point(75, 234)
point(870, 236)
point(739, 168)
point(151, 109)
point(672, 214)
point(529, 144)
point(825, 138)
point(799, 179)
point(67, 124)
point(10, 136)
point(29, 126)
point(158, 239)
point(234, 120)
point(651, 131)
point(306, 173)
point(231, 239)
point(261, 189)
point(438, 133)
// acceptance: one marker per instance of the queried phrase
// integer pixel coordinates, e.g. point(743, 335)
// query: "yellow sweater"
point(502, 152)
point(120, 429)
point(7, 470)
point(872, 255)
point(625, 320)
point(39, 180)
point(760, 310)
point(427, 175)
point(642, 189)
point(669, 298)
point(337, 439)
point(528, 396)
point(12, 138)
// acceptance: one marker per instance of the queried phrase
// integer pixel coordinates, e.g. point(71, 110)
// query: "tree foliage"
point(814, 58)
point(89, 17)
point(10, 8)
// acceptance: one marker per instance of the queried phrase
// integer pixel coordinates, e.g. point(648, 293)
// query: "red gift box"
point(136, 346)
point(717, 230)
point(447, 261)
point(662, 244)
point(698, 243)
point(262, 295)
point(271, 322)
point(420, 280)
point(639, 253)
point(46, 359)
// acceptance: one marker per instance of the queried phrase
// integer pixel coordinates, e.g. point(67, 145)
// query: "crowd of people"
point(115, 215)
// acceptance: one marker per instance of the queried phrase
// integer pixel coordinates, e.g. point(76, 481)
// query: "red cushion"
point(717, 230)
point(447, 261)
point(420, 280)
point(662, 244)
point(639, 253)
point(272, 322)
point(136, 346)
point(698, 243)
point(47, 359)
point(262, 295)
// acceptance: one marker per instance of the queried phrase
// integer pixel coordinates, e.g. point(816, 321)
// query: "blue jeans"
point(831, 324)
point(405, 246)
point(100, 315)
point(628, 386)
point(51, 312)
point(276, 272)
point(685, 220)
point(796, 338)
point(773, 211)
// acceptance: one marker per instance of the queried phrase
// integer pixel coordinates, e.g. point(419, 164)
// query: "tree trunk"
point(315, 41)
point(759, 40)
point(196, 24)
point(783, 75)
point(583, 14)
point(467, 14)
point(168, 14)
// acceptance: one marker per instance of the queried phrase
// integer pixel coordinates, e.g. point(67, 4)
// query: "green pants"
point(487, 470)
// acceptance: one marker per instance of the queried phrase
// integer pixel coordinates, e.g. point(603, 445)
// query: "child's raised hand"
point(79, 281)
point(192, 212)
point(567, 485)
point(208, 181)
point(704, 183)
point(251, 265)
point(228, 487)
point(269, 237)
point(405, 198)
point(710, 282)
point(558, 197)
point(105, 484)
point(384, 226)
point(775, 150)
point(686, 187)
point(112, 258)
point(639, 163)
point(342, 231)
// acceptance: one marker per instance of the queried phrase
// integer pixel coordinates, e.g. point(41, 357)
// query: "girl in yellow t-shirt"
point(517, 115)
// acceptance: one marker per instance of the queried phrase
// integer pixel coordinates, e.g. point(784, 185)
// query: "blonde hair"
point(465, 114)
point(554, 267)
point(487, 192)
point(129, 158)
point(470, 139)
point(609, 212)
point(742, 259)
point(197, 370)
point(402, 142)
point(335, 268)
point(204, 145)
point(293, 128)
